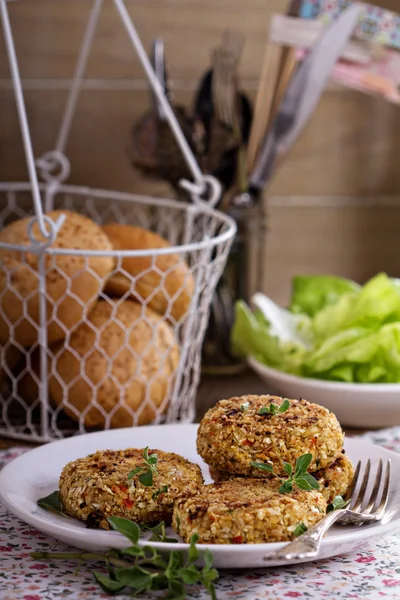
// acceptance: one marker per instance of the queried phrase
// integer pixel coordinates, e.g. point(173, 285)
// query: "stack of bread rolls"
point(112, 351)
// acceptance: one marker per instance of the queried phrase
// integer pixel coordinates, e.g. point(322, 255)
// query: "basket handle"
point(205, 189)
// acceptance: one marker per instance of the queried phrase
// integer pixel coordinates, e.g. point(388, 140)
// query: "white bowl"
point(365, 405)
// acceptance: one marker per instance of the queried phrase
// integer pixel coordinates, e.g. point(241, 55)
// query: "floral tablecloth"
point(369, 574)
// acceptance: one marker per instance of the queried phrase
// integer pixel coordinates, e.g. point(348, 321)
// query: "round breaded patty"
point(233, 434)
point(97, 486)
point(334, 480)
point(246, 511)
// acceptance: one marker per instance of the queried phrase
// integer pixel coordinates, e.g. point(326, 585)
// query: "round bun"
point(246, 511)
point(233, 435)
point(73, 283)
point(117, 369)
point(97, 486)
point(164, 283)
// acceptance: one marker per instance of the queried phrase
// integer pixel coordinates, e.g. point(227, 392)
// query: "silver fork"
point(362, 507)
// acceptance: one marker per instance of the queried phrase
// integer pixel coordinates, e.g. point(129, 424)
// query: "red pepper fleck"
point(115, 489)
point(123, 488)
point(238, 539)
point(128, 503)
point(314, 442)
point(247, 443)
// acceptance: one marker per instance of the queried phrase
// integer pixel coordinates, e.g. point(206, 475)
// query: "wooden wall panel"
point(353, 237)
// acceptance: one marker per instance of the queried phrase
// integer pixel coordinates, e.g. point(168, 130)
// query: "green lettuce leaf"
point(312, 293)
point(356, 339)
point(251, 337)
point(378, 302)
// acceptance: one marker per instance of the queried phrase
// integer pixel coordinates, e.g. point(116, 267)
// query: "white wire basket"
point(97, 329)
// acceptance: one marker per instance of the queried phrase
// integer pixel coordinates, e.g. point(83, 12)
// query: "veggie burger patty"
point(97, 486)
point(334, 480)
point(246, 511)
point(246, 429)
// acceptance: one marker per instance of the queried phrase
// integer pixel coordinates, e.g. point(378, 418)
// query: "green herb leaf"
point(190, 575)
point(134, 577)
point(288, 469)
point(268, 410)
point(263, 466)
point(193, 553)
point(108, 585)
point(176, 590)
point(311, 481)
point(245, 406)
point(146, 478)
point(210, 589)
point(133, 551)
point(129, 529)
point(208, 559)
point(143, 569)
point(132, 474)
point(52, 504)
point(300, 529)
point(286, 487)
point(302, 464)
point(284, 406)
point(337, 503)
point(161, 490)
point(158, 534)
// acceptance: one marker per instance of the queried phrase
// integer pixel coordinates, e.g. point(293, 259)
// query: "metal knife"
point(302, 96)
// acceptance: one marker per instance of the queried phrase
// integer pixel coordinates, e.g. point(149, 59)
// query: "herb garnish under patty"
point(143, 569)
point(52, 503)
point(147, 469)
point(299, 477)
point(274, 409)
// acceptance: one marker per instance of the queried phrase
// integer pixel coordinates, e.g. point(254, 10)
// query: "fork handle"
point(308, 545)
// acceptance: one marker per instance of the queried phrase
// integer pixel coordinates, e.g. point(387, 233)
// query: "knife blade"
point(303, 94)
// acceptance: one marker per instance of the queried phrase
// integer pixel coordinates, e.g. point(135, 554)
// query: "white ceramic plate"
point(35, 474)
point(366, 405)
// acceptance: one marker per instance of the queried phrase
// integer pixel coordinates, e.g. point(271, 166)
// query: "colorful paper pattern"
point(376, 24)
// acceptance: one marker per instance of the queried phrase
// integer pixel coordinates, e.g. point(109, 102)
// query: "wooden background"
point(335, 204)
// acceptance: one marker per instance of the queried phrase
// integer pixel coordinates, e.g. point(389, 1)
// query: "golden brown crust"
point(229, 438)
point(246, 511)
point(334, 480)
point(71, 288)
point(117, 366)
point(166, 281)
point(96, 487)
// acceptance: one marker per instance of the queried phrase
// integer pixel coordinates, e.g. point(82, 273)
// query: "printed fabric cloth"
point(371, 573)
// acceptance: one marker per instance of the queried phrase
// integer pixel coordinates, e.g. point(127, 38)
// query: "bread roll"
point(126, 353)
point(71, 288)
point(165, 281)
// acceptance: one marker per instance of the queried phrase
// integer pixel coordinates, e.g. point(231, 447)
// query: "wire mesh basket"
point(104, 296)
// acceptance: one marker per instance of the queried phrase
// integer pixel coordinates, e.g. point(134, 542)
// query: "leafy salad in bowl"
point(334, 329)
point(338, 344)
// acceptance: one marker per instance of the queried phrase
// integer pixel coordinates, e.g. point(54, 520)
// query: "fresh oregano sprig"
point(300, 529)
point(299, 476)
point(146, 470)
point(274, 409)
point(337, 503)
point(137, 569)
